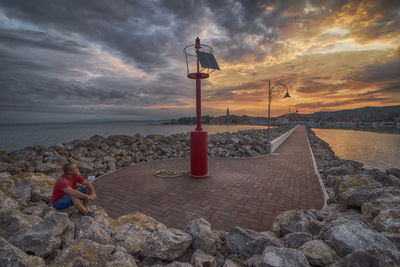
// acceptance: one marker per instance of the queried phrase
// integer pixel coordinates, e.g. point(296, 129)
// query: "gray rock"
point(11, 256)
point(21, 192)
point(203, 237)
point(358, 180)
point(254, 261)
point(95, 228)
point(383, 178)
point(340, 170)
point(167, 244)
point(7, 203)
point(387, 220)
point(6, 183)
point(153, 262)
point(120, 258)
point(296, 240)
point(386, 201)
point(318, 253)
point(393, 171)
point(41, 193)
point(13, 221)
point(201, 258)
point(292, 221)
point(350, 236)
point(355, 197)
point(230, 263)
point(282, 257)
point(4, 166)
point(132, 230)
point(179, 264)
point(132, 237)
point(42, 239)
point(38, 209)
point(47, 168)
point(247, 242)
point(394, 237)
point(371, 258)
point(85, 253)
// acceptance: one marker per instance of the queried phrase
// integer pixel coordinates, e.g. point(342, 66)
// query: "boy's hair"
point(67, 166)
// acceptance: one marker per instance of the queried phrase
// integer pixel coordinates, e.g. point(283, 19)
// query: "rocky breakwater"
point(98, 155)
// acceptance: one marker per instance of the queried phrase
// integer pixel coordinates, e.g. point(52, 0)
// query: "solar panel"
point(207, 60)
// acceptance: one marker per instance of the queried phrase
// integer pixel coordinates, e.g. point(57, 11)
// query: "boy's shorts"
point(65, 201)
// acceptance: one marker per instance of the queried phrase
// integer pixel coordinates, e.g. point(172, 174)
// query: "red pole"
point(198, 90)
point(198, 138)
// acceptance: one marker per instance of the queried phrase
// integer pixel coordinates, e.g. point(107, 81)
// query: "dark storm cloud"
point(35, 39)
point(52, 51)
point(391, 89)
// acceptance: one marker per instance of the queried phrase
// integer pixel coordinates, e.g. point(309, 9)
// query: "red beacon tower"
point(200, 62)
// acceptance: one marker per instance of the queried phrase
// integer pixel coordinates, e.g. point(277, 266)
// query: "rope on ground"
point(169, 173)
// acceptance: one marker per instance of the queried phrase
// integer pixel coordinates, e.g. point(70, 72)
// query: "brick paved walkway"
point(246, 192)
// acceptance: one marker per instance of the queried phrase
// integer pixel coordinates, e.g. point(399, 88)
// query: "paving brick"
point(245, 192)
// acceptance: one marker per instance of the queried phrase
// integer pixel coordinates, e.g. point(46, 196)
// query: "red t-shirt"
point(63, 182)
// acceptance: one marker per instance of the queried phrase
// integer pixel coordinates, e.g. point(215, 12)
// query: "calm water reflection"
point(375, 150)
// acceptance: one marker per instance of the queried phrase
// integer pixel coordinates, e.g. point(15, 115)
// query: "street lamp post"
point(270, 91)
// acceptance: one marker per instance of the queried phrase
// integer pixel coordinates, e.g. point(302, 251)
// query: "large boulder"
point(371, 258)
point(37, 208)
point(6, 183)
point(318, 253)
point(95, 228)
point(11, 256)
point(386, 201)
point(121, 258)
point(132, 237)
point(201, 258)
point(394, 237)
point(141, 235)
point(387, 220)
point(132, 230)
point(167, 244)
point(292, 221)
point(393, 171)
point(247, 242)
point(88, 253)
point(296, 240)
point(383, 178)
point(21, 192)
point(12, 220)
point(47, 168)
point(340, 170)
point(283, 257)
point(355, 197)
point(349, 236)
point(141, 220)
point(230, 263)
point(42, 239)
point(32, 187)
point(203, 237)
point(358, 180)
point(178, 264)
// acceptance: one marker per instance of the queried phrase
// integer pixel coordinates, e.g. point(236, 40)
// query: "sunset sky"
point(77, 60)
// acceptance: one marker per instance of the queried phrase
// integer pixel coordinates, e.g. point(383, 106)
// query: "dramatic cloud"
point(81, 59)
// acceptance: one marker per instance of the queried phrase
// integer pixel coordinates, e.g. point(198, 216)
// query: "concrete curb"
point(321, 183)
point(280, 139)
